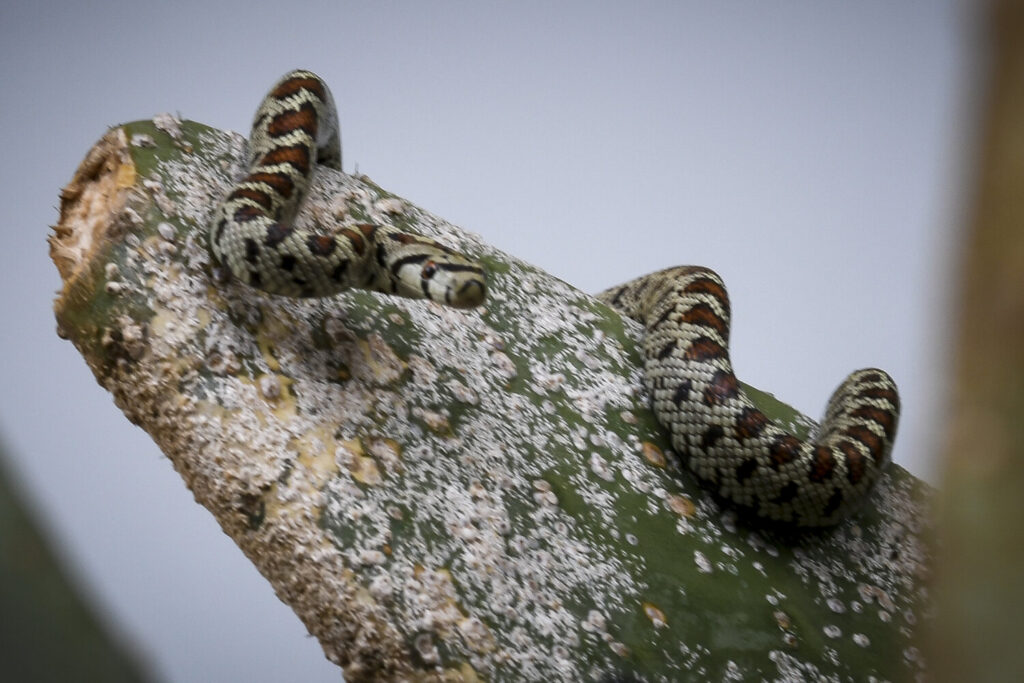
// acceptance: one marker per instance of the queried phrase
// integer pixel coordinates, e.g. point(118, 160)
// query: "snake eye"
point(429, 269)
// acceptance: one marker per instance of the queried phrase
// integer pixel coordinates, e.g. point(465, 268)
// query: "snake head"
point(423, 269)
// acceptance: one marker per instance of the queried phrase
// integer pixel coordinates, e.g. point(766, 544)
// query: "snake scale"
point(728, 443)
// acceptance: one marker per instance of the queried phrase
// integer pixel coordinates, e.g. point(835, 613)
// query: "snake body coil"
point(725, 440)
point(296, 128)
point(718, 432)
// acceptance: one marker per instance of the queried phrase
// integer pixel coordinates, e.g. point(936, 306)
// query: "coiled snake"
point(295, 128)
point(729, 444)
point(723, 438)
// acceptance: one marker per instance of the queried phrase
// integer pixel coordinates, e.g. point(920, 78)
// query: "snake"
point(729, 444)
point(295, 130)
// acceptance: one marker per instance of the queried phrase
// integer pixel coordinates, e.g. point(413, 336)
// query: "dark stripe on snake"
point(711, 436)
point(246, 213)
point(880, 394)
point(866, 437)
point(321, 245)
point(296, 156)
point(221, 224)
point(665, 315)
point(277, 233)
point(414, 259)
point(883, 418)
point(257, 196)
point(667, 349)
point(784, 450)
point(291, 86)
point(704, 349)
point(404, 238)
point(822, 464)
point(682, 392)
point(288, 262)
point(280, 183)
point(456, 267)
point(705, 285)
point(722, 387)
point(252, 251)
point(745, 469)
point(750, 423)
point(855, 469)
point(291, 120)
point(703, 315)
point(355, 237)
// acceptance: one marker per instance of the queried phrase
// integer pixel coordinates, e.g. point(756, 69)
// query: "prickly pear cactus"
point(446, 494)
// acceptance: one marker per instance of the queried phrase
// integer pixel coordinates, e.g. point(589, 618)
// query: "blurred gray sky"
point(808, 151)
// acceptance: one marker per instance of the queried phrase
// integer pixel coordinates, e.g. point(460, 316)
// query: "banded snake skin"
point(730, 445)
point(296, 128)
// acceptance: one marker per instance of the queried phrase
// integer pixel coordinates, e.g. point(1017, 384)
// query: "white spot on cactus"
point(270, 386)
point(390, 205)
point(166, 231)
point(600, 467)
point(702, 562)
point(168, 123)
point(372, 557)
point(504, 366)
point(654, 613)
point(835, 605)
point(143, 140)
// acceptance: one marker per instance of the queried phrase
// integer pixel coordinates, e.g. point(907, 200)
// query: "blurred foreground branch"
point(981, 592)
point(48, 631)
